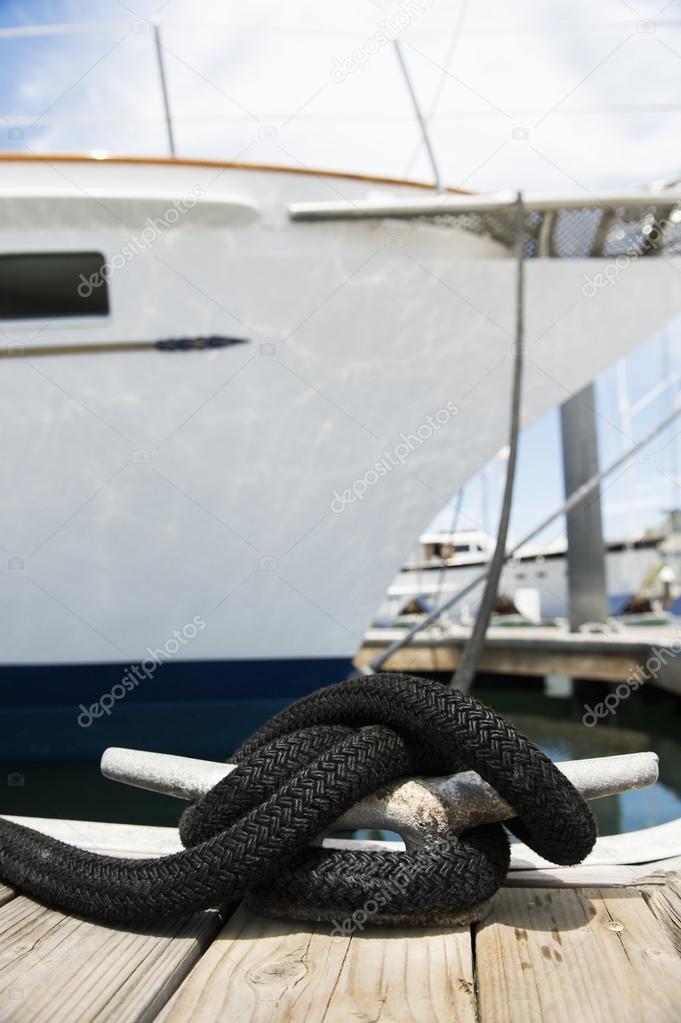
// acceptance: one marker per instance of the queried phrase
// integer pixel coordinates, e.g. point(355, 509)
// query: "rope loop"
point(295, 777)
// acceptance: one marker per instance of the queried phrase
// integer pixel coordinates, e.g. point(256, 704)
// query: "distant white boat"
point(535, 581)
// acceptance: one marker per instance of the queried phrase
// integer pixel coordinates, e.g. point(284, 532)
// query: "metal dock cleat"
point(412, 808)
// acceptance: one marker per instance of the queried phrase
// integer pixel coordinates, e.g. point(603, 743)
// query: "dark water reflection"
point(76, 790)
point(556, 727)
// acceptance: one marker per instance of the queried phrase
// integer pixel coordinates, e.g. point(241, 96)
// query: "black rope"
point(294, 778)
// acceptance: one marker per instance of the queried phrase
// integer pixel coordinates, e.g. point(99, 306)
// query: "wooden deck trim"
point(535, 650)
point(180, 161)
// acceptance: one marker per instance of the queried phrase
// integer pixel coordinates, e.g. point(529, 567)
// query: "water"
point(563, 737)
point(76, 790)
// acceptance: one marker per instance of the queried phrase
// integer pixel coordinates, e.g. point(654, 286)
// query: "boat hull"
point(253, 503)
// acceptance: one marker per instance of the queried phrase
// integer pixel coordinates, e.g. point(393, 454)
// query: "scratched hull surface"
point(268, 490)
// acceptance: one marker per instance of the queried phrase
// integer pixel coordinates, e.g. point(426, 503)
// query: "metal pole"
point(669, 376)
point(164, 87)
point(419, 116)
point(364, 209)
point(585, 553)
point(564, 509)
point(468, 666)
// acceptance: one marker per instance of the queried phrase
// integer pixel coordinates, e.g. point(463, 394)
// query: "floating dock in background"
point(592, 943)
point(540, 650)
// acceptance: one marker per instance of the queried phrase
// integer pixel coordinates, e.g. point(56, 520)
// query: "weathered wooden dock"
point(539, 650)
point(589, 943)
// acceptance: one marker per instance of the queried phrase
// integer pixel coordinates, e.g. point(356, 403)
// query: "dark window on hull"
point(46, 285)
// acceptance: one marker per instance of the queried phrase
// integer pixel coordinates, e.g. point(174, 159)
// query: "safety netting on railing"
point(578, 232)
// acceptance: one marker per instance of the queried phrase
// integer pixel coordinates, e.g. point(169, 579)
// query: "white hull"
point(358, 333)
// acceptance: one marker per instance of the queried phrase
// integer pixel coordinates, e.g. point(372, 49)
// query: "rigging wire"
point(439, 88)
point(468, 666)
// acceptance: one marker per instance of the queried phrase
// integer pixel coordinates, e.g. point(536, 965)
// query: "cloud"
point(587, 88)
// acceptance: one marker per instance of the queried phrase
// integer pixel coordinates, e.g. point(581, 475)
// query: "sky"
point(551, 96)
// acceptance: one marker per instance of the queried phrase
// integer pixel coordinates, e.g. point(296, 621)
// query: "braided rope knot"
point(294, 779)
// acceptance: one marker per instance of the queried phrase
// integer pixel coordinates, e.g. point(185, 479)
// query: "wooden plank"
point(6, 894)
point(591, 955)
point(586, 876)
point(505, 660)
point(59, 969)
point(599, 667)
point(415, 657)
point(262, 970)
point(406, 974)
point(665, 904)
point(536, 650)
point(267, 971)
